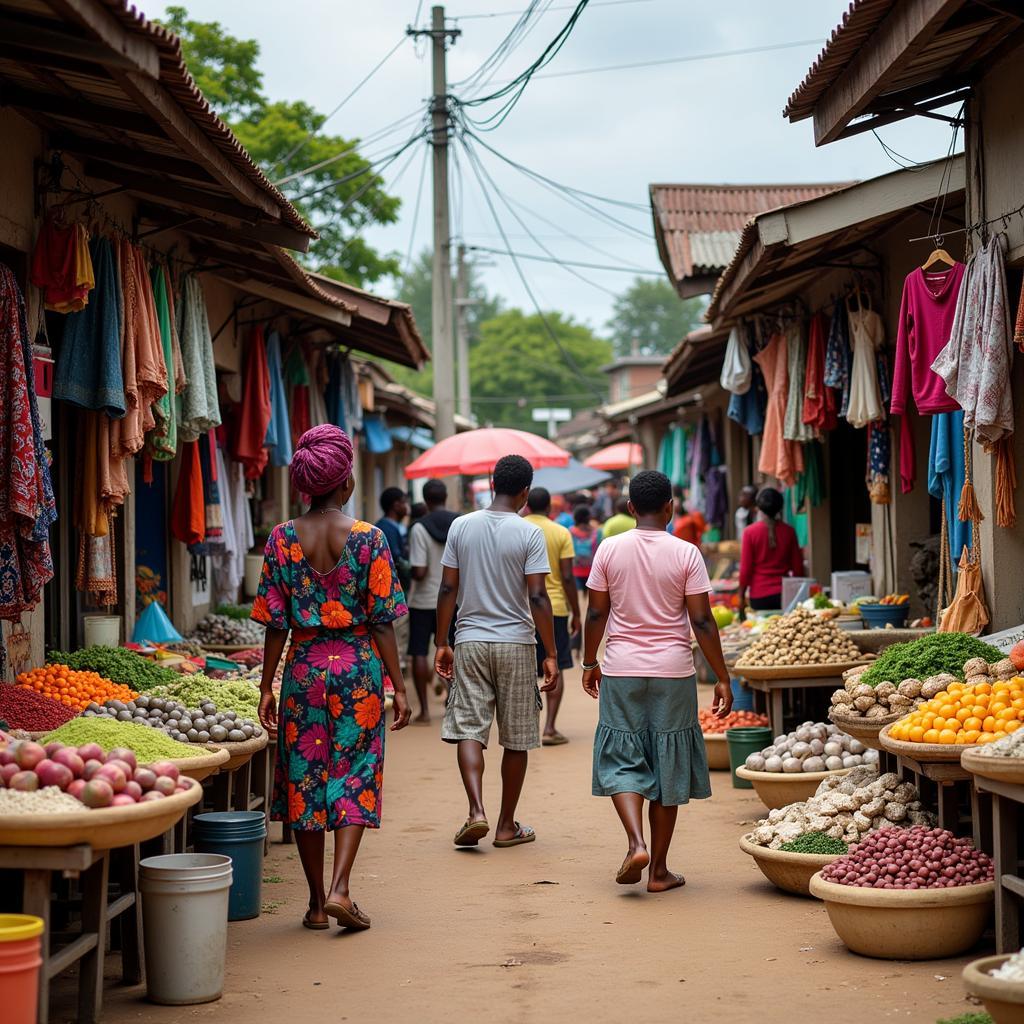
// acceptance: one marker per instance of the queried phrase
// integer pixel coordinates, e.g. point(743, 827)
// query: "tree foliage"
point(515, 367)
point(651, 312)
point(336, 199)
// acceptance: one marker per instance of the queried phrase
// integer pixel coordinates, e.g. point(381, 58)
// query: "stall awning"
point(417, 437)
point(696, 360)
point(376, 434)
point(891, 59)
point(783, 250)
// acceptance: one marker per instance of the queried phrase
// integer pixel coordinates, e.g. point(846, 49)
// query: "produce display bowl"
point(999, 769)
point(239, 753)
point(1003, 999)
point(865, 729)
point(717, 748)
point(790, 872)
point(780, 789)
point(103, 829)
point(203, 765)
point(929, 753)
point(907, 924)
point(770, 672)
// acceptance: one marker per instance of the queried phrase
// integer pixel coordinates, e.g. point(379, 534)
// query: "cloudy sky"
point(716, 119)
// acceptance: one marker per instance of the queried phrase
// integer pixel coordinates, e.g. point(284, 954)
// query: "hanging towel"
point(672, 455)
point(796, 354)
point(254, 414)
point(162, 442)
point(88, 369)
point(946, 472)
point(211, 491)
point(279, 432)
point(188, 516)
point(200, 407)
point(62, 266)
point(819, 411)
point(27, 508)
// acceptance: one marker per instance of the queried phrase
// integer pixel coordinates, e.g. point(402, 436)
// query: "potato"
point(792, 764)
point(910, 688)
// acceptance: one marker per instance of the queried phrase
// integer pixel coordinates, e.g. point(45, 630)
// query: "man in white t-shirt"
point(427, 539)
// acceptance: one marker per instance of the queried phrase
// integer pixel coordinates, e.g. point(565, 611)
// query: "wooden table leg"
point(948, 816)
point(130, 921)
point(94, 920)
point(1007, 854)
point(981, 815)
point(221, 787)
point(36, 886)
point(242, 787)
point(776, 713)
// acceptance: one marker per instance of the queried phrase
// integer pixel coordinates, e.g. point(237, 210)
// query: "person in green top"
point(620, 522)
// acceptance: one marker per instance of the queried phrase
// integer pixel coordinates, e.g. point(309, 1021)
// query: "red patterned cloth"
point(27, 508)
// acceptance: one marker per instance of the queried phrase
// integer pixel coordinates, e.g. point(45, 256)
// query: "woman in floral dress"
point(329, 580)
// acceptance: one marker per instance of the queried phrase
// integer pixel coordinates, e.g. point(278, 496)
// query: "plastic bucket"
point(876, 615)
point(103, 630)
point(239, 835)
point(185, 926)
point(743, 742)
point(253, 571)
point(20, 961)
point(742, 696)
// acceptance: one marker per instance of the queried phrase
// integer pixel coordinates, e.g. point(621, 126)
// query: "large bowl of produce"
point(891, 612)
point(934, 655)
point(1002, 760)
point(794, 764)
point(791, 866)
point(239, 695)
point(59, 795)
point(797, 639)
point(224, 631)
point(998, 981)
point(714, 729)
point(908, 894)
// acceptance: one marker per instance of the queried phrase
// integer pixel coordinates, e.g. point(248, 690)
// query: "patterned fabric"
point(879, 458)
point(27, 509)
point(330, 738)
point(838, 355)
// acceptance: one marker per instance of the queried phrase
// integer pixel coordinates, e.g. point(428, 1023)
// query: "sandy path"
point(542, 933)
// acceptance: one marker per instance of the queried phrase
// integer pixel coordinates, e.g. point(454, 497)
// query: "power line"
point(567, 7)
point(561, 262)
point(416, 210)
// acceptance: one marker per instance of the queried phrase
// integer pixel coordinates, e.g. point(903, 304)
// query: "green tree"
point(339, 198)
point(651, 312)
point(516, 367)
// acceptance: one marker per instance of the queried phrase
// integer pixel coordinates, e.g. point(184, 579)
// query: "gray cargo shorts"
point(494, 680)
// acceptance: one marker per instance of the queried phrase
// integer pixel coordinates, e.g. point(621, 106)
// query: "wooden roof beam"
point(112, 152)
point(79, 110)
point(258, 235)
point(903, 35)
point(294, 301)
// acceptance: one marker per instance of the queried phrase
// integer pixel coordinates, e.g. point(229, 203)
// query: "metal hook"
point(939, 241)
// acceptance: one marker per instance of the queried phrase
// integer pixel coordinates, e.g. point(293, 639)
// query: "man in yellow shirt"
point(620, 522)
point(561, 589)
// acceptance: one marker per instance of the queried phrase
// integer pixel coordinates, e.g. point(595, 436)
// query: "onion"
point(28, 755)
point(123, 754)
point(97, 793)
point(69, 757)
point(24, 781)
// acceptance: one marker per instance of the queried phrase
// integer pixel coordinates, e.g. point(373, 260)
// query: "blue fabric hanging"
point(376, 434)
point(946, 473)
point(279, 431)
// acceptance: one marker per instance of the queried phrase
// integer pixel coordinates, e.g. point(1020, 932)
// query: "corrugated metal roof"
point(697, 227)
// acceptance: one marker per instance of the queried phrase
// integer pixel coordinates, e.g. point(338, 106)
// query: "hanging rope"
point(945, 591)
point(1006, 483)
point(969, 510)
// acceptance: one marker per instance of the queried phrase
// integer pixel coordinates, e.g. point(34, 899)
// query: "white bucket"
point(253, 571)
point(185, 925)
point(103, 630)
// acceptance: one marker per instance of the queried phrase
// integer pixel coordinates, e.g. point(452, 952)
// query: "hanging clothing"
point(779, 458)
point(254, 415)
point(200, 407)
point(867, 335)
point(229, 561)
point(736, 375)
point(1018, 327)
point(211, 491)
point(819, 411)
point(296, 378)
point(142, 335)
point(672, 455)
point(716, 499)
point(810, 488)
point(279, 432)
point(96, 574)
point(796, 355)
point(188, 515)
point(946, 473)
point(317, 386)
point(27, 508)
point(62, 266)
point(976, 362)
point(88, 371)
point(838, 356)
point(879, 459)
point(162, 441)
point(748, 409)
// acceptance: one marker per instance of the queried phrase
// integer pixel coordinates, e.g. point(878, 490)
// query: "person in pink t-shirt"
point(648, 589)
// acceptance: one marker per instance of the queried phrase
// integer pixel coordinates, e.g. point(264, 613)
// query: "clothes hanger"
point(939, 255)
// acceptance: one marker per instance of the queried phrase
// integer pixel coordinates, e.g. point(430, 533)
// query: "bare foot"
point(632, 869)
point(423, 718)
point(663, 883)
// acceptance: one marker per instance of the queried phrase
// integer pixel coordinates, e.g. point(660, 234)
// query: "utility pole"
point(462, 304)
point(441, 300)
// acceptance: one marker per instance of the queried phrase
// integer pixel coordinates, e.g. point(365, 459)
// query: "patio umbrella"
point(616, 456)
point(574, 477)
point(476, 451)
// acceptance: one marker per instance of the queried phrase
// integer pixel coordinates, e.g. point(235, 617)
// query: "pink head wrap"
point(322, 460)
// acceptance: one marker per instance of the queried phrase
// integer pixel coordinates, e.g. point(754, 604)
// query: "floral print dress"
point(330, 739)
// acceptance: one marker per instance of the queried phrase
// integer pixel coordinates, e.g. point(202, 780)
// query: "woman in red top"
point(769, 551)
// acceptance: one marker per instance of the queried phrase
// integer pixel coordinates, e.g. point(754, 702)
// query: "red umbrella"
point(616, 456)
point(476, 451)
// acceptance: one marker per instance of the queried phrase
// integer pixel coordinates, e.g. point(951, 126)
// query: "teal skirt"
point(648, 740)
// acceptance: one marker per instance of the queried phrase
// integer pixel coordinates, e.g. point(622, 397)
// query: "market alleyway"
point(541, 933)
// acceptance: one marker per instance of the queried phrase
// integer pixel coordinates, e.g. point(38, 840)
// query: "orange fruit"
point(930, 736)
point(970, 735)
point(963, 714)
point(989, 725)
point(973, 722)
point(947, 736)
point(986, 737)
point(983, 688)
point(916, 734)
point(1014, 725)
point(996, 706)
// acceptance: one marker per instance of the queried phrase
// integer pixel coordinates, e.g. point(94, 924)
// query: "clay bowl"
point(790, 872)
point(1004, 1000)
point(717, 748)
point(103, 829)
point(926, 753)
point(780, 789)
point(239, 753)
point(907, 924)
point(203, 765)
point(865, 729)
point(999, 769)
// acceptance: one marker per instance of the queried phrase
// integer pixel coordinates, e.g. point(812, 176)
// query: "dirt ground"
point(541, 932)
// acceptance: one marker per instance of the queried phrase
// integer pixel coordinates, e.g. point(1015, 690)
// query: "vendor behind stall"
point(769, 552)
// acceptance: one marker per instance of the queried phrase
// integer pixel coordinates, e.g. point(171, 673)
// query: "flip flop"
point(524, 834)
point(555, 739)
point(472, 832)
point(316, 926)
point(632, 869)
point(354, 919)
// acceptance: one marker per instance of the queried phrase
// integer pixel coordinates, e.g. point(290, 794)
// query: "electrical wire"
point(564, 263)
point(416, 212)
point(570, 362)
point(566, 7)
point(513, 39)
point(344, 100)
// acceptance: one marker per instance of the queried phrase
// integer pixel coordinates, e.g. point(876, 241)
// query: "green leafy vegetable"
point(928, 656)
point(117, 664)
point(815, 842)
